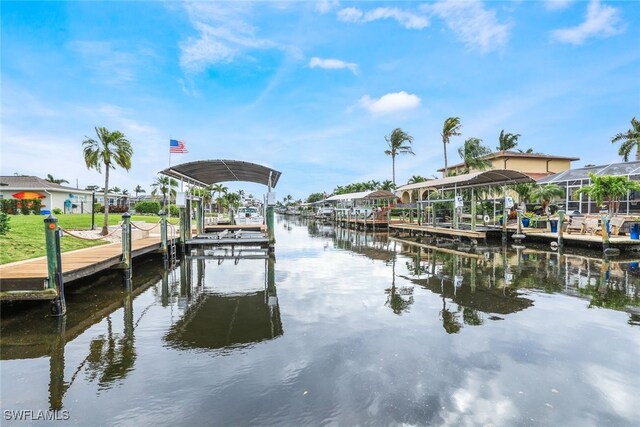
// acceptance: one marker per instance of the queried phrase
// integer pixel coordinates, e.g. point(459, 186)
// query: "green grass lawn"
point(25, 239)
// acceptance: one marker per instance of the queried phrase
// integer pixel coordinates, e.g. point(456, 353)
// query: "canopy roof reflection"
point(220, 321)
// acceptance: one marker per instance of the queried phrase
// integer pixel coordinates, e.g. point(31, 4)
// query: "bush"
point(149, 207)
point(9, 206)
point(57, 211)
point(115, 209)
point(4, 223)
point(20, 206)
point(97, 206)
point(173, 210)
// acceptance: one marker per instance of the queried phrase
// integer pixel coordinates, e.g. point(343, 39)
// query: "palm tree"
point(116, 190)
point(139, 190)
point(545, 193)
point(473, 154)
point(92, 187)
point(387, 185)
point(507, 141)
point(111, 149)
point(630, 139)
point(527, 151)
point(399, 143)
point(524, 191)
point(610, 188)
point(450, 128)
point(50, 178)
point(165, 186)
point(219, 190)
point(415, 179)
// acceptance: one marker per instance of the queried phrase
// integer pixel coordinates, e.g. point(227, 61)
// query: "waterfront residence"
point(54, 196)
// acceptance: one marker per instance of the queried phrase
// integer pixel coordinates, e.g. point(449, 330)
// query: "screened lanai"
point(573, 179)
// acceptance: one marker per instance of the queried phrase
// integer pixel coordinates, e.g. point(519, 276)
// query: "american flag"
point(176, 146)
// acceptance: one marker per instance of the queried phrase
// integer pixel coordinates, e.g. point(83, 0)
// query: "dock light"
point(52, 226)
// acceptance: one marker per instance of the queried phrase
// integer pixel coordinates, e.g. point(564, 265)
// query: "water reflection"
point(218, 320)
point(494, 281)
point(29, 333)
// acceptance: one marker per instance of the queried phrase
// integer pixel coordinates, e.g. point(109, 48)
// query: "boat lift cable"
point(229, 169)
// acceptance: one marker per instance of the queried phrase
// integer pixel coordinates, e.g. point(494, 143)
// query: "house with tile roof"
point(535, 165)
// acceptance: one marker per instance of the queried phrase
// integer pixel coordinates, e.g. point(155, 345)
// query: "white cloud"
point(110, 63)
point(326, 6)
point(390, 103)
point(333, 64)
point(600, 21)
point(223, 34)
point(557, 4)
point(474, 25)
point(408, 20)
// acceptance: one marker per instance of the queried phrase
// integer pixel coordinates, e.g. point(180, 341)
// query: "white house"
point(53, 196)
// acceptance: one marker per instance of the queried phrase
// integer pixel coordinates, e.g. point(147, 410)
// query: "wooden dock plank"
point(440, 230)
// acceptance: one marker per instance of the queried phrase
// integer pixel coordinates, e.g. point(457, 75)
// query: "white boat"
point(248, 215)
point(325, 211)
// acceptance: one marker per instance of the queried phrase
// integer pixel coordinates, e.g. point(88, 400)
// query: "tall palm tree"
point(545, 193)
point(399, 143)
point(474, 154)
point(50, 178)
point(110, 149)
point(165, 186)
point(507, 141)
point(139, 190)
point(450, 128)
point(218, 190)
point(630, 139)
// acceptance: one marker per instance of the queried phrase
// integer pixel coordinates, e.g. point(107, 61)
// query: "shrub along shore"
point(25, 237)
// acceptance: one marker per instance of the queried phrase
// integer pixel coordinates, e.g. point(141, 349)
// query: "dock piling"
point(164, 244)
point(54, 265)
point(126, 240)
point(560, 221)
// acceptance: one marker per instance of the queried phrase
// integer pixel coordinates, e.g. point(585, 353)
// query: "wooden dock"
point(216, 228)
point(27, 279)
point(440, 231)
point(363, 224)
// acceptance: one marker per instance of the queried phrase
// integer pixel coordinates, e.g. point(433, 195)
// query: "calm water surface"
point(340, 329)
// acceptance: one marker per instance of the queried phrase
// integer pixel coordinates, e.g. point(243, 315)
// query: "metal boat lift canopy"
point(207, 172)
point(489, 178)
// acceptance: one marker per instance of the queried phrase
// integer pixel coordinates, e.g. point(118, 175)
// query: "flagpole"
point(169, 208)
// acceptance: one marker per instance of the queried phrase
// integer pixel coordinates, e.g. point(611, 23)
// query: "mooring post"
point(199, 216)
point(473, 209)
point(271, 207)
point(560, 221)
point(126, 242)
point(605, 235)
point(183, 227)
point(54, 265)
point(164, 244)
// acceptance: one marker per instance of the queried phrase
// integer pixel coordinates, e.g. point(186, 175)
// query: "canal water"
point(341, 328)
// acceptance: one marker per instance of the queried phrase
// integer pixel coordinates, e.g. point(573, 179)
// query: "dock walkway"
point(27, 279)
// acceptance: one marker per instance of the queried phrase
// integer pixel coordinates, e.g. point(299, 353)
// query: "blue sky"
point(312, 88)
